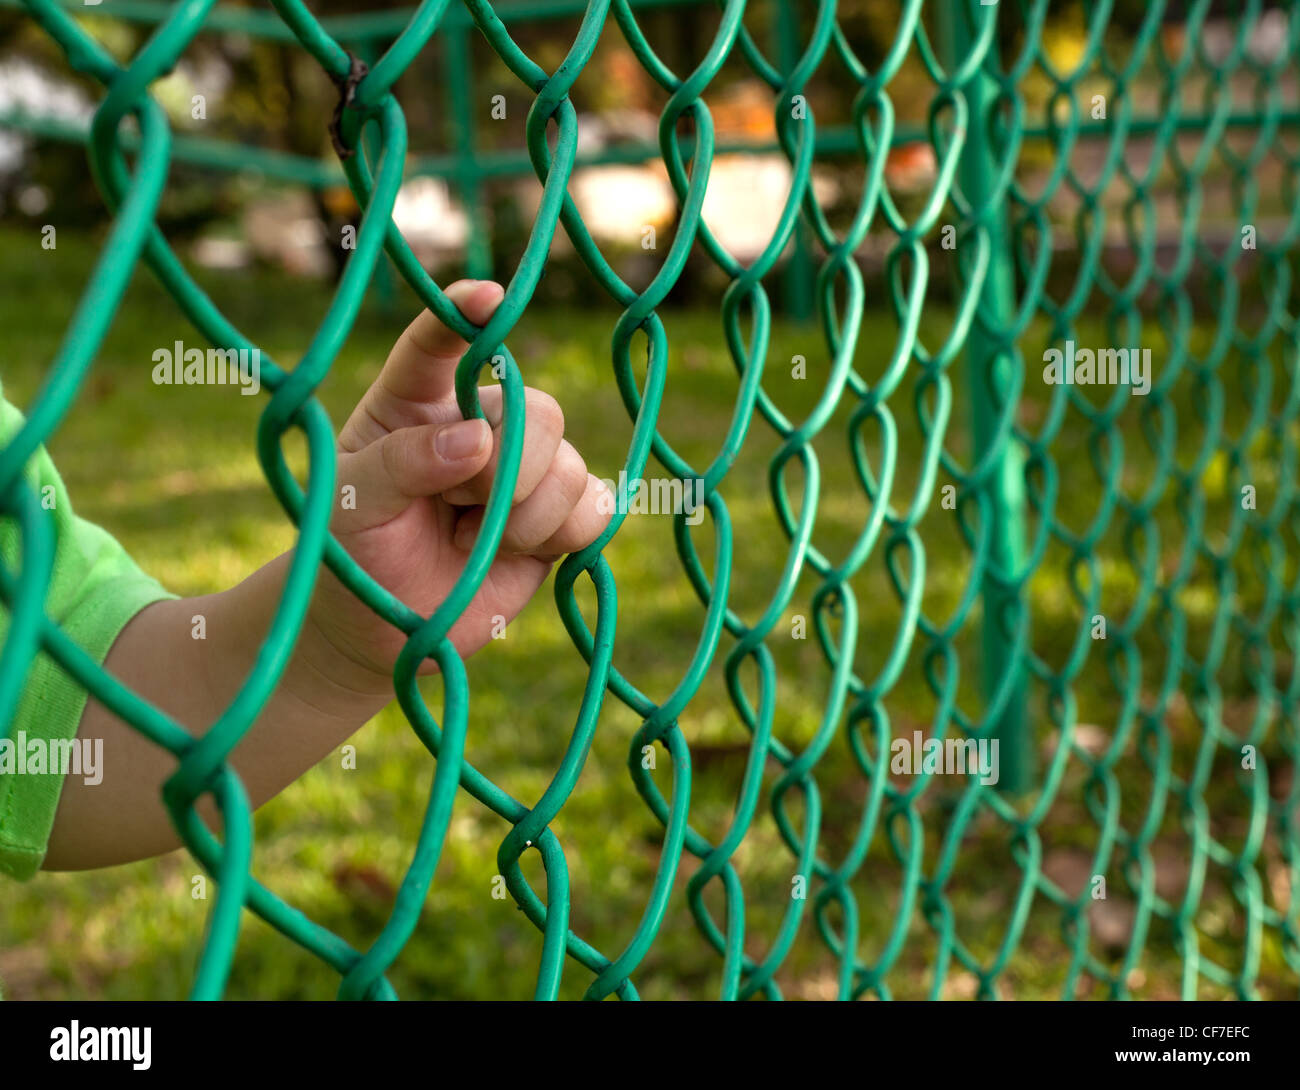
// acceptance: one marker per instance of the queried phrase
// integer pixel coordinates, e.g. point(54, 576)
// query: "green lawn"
point(171, 471)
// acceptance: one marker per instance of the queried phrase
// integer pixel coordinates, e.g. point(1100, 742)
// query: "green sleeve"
point(95, 588)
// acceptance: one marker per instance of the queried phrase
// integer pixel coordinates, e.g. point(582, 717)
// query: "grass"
point(171, 471)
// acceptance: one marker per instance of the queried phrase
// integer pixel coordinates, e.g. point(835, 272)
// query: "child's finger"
point(586, 522)
point(379, 482)
point(543, 430)
point(418, 380)
point(422, 365)
point(543, 512)
point(582, 525)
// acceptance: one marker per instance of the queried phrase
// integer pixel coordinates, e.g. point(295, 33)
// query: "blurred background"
point(1140, 236)
point(254, 180)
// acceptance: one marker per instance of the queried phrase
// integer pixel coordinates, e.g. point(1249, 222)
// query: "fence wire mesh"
point(1124, 607)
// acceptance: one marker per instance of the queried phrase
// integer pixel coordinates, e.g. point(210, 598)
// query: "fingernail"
point(464, 439)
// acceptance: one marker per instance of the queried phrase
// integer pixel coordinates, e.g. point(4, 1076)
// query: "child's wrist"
point(320, 674)
point(320, 664)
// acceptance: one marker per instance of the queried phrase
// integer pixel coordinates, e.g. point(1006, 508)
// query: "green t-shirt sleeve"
point(95, 588)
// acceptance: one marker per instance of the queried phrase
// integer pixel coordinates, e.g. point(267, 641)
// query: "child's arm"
point(418, 470)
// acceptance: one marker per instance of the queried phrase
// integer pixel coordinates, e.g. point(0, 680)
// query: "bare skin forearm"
point(320, 701)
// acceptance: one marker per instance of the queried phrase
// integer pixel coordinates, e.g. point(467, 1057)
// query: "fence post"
point(989, 363)
point(384, 283)
point(466, 178)
point(800, 272)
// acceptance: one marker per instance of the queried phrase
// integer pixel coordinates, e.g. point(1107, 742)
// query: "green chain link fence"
point(1186, 563)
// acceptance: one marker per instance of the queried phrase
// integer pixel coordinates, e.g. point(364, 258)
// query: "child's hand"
point(421, 475)
point(418, 508)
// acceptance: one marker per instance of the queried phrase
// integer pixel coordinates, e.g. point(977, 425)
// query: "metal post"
point(990, 365)
point(384, 284)
point(799, 273)
point(466, 177)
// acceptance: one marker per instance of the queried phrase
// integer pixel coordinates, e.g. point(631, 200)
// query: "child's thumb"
point(380, 481)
